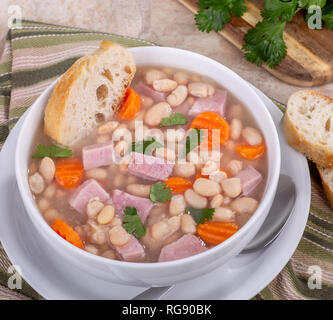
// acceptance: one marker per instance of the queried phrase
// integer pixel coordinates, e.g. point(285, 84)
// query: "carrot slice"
point(178, 185)
point(131, 105)
point(250, 152)
point(216, 232)
point(69, 173)
point(67, 232)
point(210, 121)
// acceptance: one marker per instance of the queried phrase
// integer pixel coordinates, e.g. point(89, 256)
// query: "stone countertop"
point(167, 23)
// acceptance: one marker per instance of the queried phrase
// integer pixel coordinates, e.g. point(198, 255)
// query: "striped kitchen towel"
point(35, 54)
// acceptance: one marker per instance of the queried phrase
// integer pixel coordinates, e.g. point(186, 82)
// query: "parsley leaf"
point(201, 215)
point(146, 146)
point(132, 222)
point(173, 120)
point(328, 15)
point(193, 139)
point(308, 3)
point(159, 192)
point(277, 10)
point(52, 151)
point(214, 14)
point(264, 43)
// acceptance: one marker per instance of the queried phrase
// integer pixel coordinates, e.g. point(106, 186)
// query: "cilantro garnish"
point(132, 222)
point(52, 151)
point(263, 43)
point(159, 192)
point(201, 215)
point(193, 139)
point(174, 120)
point(146, 146)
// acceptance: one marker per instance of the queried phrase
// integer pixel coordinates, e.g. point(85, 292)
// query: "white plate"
point(242, 278)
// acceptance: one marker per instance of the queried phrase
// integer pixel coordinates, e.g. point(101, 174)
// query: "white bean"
point(107, 127)
point(119, 236)
point(177, 205)
point(181, 77)
point(146, 102)
point(139, 190)
point(235, 128)
point(174, 224)
point(106, 215)
point(154, 74)
point(224, 215)
point(184, 170)
point(201, 89)
point(165, 153)
point(103, 138)
point(234, 167)
point(159, 230)
point(97, 173)
point(50, 191)
point(121, 133)
point(99, 237)
point(43, 204)
point(194, 158)
point(118, 180)
point(252, 136)
point(109, 254)
point(213, 155)
point(164, 85)
point(116, 221)
point(131, 180)
point(91, 249)
point(172, 135)
point(209, 167)
point(50, 215)
point(188, 224)
point(121, 148)
point(206, 187)
point(47, 169)
point(36, 183)
point(217, 201)
point(218, 176)
point(232, 187)
point(155, 114)
point(244, 205)
point(93, 208)
point(177, 96)
point(195, 200)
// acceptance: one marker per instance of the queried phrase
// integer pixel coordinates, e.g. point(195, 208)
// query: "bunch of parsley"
point(264, 43)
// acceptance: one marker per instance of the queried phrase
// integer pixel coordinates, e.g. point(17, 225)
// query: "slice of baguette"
point(308, 126)
point(92, 88)
point(326, 175)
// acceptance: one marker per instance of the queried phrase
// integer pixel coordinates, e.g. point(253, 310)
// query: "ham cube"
point(149, 167)
point(97, 155)
point(85, 192)
point(145, 90)
point(121, 200)
point(188, 245)
point(131, 251)
point(215, 103)
point(250, 180)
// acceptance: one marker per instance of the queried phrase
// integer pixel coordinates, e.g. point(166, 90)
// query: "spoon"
point(277, 217)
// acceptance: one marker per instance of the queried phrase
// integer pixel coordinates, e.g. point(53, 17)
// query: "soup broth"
point(189, 196)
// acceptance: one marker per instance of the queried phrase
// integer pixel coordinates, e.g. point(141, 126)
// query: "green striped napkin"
point(36, 54)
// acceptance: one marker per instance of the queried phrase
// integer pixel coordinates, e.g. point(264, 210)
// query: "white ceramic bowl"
point(164, 273)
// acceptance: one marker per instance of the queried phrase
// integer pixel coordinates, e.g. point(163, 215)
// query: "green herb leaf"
point(52, 151)
point(146, 146)
point(174, 120)
point(277, 10)
point(201, 215)
point(132, 222)
point(193, 139)
point(308, 3)
point(328, 15)
point(159, 192)
point(215, 14)
point(264, 43)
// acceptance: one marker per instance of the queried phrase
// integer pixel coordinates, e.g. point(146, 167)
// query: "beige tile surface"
point(165, 22)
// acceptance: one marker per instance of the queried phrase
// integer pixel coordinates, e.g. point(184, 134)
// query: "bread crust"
point(327, 187)
point(315, 152)
point(56, 107)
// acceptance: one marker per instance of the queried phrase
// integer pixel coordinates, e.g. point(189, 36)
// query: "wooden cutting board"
point(309, 61)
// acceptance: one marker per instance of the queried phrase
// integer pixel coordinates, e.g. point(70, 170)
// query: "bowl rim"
point(271, 184)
